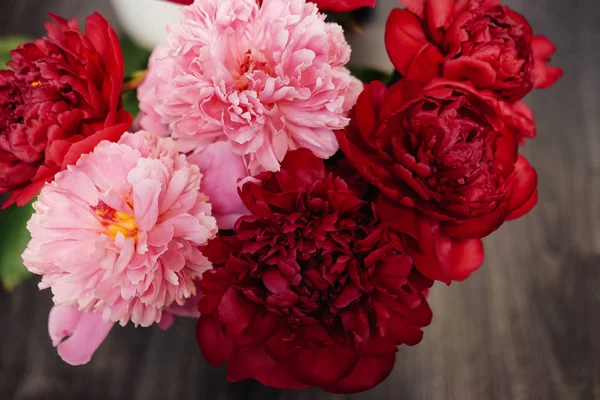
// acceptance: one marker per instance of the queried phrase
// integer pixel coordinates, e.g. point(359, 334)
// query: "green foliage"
point(7, 44)
point(136, 57)
point(136, 60)
point(13, 241)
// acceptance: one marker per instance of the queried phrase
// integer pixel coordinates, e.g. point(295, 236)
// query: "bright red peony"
point(324, 5)
point(479, 41)
point(310, 290)
point(60, 98)
point(442, 150)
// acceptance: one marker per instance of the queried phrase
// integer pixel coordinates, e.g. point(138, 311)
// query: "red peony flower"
point(324, 5)
point(310, 289)
point(479, 41)
point(60, 98)
point(443, 152)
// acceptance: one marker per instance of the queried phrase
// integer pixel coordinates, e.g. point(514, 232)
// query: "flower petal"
point(76, 334)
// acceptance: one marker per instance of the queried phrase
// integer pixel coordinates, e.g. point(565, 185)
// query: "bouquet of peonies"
point(300, 215)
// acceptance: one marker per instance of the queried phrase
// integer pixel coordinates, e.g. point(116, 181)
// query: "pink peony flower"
point(267, 78)
point(119, 232)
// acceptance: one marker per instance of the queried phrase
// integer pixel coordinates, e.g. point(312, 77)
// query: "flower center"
point(116, 221)
point(250, 64)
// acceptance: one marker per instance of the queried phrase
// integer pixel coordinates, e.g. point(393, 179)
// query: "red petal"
point(479, 227)
point(404, 39)
point(542, 47)
point(438, 13)
point(369, 372)
point(480, 73)
point(524, 180)
point(378, 346)
point(464, 256)
point(519, 118)
point(275, 282)
point(215, 344)
point(255, 363)
point(88, 144)
point(322, 366)
point(23, 196)
point(542, 75)
point(236, 311)
point(106, 42)
point(525, 208)
point(426, 65)
point(300, 168)
point(415, 6)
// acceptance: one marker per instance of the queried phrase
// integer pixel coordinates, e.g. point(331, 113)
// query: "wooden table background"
point(524, 327)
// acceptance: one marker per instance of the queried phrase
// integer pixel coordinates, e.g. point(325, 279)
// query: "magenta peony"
point(267, 78)
point(119, 233)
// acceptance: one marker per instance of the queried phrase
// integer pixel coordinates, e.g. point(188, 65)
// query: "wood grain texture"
point(524, 327)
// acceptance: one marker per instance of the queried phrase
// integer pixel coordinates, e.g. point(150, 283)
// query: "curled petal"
point(524, 193)
point(76, 334)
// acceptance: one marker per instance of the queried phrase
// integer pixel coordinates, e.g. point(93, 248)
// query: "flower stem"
point(134, 81)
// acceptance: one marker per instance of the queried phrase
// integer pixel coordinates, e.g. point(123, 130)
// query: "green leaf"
point(131, 103)
point(13, 242)
point(136, 60)
point(367, 75)
point(395, 77)
point(8, 44)
point(136, 57)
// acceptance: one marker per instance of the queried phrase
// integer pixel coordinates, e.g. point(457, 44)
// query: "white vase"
point(145, 21)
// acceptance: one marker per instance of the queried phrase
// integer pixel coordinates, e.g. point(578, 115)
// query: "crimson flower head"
point(60, 97)
point(480, 41)
point(309, 290)
point(443, 150)
point(447, 166)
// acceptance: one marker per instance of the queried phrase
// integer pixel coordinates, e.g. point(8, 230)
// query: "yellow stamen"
point(36, 83)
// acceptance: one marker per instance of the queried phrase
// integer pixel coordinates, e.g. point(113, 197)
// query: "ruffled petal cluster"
point(119, 232)
point(267, 78)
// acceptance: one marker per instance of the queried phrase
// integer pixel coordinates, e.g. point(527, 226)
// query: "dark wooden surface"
point(524, 327)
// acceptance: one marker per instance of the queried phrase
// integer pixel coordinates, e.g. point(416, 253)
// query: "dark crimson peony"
point(310, 289)
point(442, 150)
point(479, 41)
point(324, 5)
point(60, 98)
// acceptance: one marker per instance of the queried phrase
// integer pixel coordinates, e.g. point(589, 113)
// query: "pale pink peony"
point(267, 78)
point(119, 232)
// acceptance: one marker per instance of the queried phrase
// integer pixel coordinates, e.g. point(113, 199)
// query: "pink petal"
point(76, 334)
point(145, 203)
point(166, 321)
